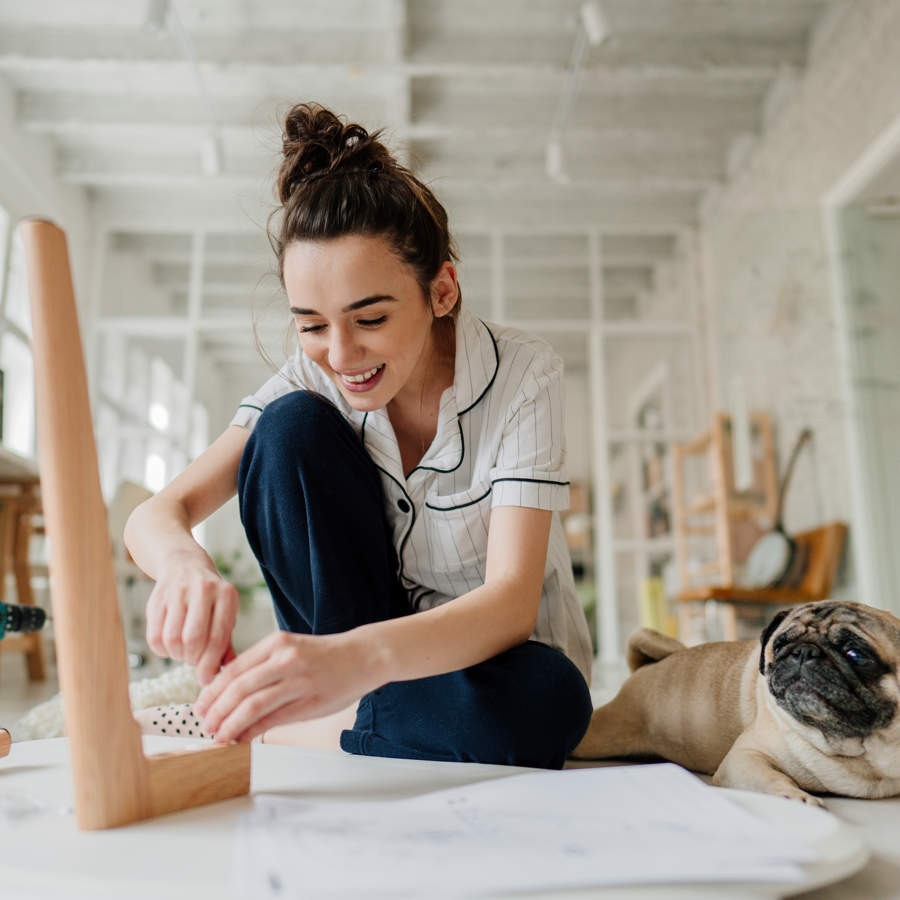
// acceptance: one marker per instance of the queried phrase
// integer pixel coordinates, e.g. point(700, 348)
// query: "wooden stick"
point(114, 783)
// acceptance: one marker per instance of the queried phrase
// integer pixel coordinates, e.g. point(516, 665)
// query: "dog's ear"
point(764, 638)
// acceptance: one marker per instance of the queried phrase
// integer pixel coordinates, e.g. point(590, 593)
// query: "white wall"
point(767, 260)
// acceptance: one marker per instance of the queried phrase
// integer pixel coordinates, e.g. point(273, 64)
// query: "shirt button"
point(402, 505)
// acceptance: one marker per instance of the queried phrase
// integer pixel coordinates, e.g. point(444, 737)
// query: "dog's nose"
point(805, 651)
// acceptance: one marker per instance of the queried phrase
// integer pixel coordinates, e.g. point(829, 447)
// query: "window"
point(16, 305)
point(4, 235)
point(18, 394)
point(159, 412)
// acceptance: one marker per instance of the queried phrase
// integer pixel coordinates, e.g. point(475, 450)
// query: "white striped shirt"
point(500, 441)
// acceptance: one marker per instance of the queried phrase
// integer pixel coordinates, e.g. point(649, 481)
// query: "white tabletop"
point(188, 854)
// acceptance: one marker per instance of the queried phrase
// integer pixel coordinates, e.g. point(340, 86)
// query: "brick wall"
point(767, 270)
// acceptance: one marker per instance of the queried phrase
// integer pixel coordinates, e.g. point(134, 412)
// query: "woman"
point(397, 481)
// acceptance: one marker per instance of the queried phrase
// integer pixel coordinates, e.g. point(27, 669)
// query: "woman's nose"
point(343, 351)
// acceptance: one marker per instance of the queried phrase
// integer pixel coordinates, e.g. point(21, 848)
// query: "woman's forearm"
point(158, 533)
point(468, 630)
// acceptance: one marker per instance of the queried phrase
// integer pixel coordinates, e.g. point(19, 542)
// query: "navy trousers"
point(312, 505)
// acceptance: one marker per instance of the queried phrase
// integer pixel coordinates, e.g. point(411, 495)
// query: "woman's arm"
point(498, 615)
point(290, 677)
point(192, 609)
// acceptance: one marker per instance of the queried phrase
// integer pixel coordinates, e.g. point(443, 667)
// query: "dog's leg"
point(614, 731)
point(749, 769)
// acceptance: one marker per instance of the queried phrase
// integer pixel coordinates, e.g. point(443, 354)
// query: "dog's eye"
point(857, 657)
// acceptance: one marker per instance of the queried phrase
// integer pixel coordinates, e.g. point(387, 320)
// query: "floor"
point(17, 693)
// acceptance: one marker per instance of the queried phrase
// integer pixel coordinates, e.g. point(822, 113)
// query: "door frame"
point(880, 153)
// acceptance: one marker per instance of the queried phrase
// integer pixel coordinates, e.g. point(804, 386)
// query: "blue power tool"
point(20, 618)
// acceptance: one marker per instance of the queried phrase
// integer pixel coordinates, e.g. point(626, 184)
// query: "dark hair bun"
point(316, 143)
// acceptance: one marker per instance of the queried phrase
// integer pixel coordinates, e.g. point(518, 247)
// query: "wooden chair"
point(823, 546)
point(114, 782)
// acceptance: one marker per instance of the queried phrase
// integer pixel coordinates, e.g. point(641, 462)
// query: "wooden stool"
point(19, 506)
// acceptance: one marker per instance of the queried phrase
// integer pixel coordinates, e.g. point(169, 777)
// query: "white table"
point(188, 854)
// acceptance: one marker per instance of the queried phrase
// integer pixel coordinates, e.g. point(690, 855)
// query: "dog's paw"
point(803, 797)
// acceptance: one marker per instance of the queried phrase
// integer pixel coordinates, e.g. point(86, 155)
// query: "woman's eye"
point(371, 322)
point(305, 329)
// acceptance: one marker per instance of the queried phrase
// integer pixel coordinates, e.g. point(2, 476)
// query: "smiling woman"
point(398, 481)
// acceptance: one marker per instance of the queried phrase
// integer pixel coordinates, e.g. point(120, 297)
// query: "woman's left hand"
point(283, 678)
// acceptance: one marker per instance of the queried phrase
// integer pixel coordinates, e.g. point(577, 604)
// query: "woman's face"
point(361, 316)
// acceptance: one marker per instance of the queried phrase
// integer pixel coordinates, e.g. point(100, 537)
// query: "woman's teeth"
point(359, 379)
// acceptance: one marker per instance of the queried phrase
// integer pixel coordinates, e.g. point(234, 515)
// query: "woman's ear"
point(444, 290)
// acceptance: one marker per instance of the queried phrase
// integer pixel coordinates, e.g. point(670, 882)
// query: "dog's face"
point(833, 666)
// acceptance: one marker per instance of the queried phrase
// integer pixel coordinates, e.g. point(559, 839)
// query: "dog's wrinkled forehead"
point(822, 617)
point(827, 616)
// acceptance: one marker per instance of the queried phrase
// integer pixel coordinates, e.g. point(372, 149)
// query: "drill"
point(20, 618)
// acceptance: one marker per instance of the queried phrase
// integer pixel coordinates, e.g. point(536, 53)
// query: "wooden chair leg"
point(34, 654)
point(686, 623)
point(728, 617)
point(114, 783)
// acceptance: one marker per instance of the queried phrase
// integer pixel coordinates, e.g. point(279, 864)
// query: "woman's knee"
point(300, 432)
point(298, 421)
point(537, 713)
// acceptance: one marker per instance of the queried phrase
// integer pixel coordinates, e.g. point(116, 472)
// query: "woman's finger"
point(195, 633)
point(259, 653)
point(156, 614)
point(173, 627)
point(252, 711)
point(295, 711)
point(216, 652)
point(245, 698)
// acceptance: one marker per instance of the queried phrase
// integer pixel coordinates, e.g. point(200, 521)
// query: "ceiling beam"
point(364, 51)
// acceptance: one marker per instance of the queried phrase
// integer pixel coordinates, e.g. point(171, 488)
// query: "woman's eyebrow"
point(357, 304)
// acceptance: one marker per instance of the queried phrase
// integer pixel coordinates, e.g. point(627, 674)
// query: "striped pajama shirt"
point(500, 441)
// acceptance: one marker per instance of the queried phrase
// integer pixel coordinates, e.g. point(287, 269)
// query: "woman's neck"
point(419, 400)
point(414, 411)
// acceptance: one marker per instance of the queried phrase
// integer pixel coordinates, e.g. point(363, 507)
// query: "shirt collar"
point(477, 360)
point(475, 367)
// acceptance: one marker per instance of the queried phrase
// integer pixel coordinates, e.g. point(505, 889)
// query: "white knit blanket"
point(178, 685)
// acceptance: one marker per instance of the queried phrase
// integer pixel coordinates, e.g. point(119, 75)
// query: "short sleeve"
point(530, 467)
point(251, 407)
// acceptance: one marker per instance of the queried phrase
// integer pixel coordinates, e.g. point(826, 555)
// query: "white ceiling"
point(468, 88)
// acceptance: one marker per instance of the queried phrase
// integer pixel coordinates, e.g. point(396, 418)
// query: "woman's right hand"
point(191, 614)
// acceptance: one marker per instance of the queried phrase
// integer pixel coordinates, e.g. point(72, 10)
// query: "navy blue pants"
point(312, 505)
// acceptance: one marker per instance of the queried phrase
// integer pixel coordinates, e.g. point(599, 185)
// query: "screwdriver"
point(21, 618)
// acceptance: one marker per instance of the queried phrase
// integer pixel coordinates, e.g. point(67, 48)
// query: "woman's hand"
point(191, 614)
point(284, 678)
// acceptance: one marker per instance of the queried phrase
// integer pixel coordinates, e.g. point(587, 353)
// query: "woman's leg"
point(313, 508)
point(529, 706)
point(312, 505)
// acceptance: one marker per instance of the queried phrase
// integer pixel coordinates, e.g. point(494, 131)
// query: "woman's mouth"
point(365, 381)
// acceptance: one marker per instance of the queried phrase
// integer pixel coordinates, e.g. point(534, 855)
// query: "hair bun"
point(316, 143)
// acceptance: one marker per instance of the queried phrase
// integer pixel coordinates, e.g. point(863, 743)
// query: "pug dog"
point(810, 709)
